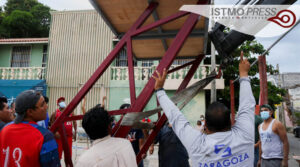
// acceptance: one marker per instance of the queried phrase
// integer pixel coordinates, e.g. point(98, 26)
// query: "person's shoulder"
point(4, 127)
point(118, 139)
point(48, 135)
point(278, 124)
point(84, 159)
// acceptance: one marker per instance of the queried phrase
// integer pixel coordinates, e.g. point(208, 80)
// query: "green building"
point(22, 65)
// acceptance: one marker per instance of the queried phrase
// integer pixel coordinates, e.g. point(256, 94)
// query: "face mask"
point(264, 115)
point(62, 104)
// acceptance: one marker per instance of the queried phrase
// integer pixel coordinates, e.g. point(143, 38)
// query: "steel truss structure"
point(137, 103)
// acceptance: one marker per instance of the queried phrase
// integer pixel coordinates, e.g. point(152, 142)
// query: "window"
point(20, 56)
point(147, 63)
point(121, 60)
point(44, 61)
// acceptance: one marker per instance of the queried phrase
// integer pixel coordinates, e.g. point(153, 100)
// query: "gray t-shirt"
point(234, 148)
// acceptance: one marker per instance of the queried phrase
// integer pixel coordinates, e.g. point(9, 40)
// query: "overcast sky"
point(286, 53)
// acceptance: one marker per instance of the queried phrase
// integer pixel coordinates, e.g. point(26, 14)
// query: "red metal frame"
point(131, 71)
point(137, 104)
point(166, 61)
point(262, 66)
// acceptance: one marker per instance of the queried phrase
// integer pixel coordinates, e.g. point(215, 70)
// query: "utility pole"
point(213, 91)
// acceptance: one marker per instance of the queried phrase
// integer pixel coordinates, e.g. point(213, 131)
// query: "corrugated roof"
point(23, 40)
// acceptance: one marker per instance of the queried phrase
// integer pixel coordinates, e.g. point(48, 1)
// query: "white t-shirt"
point(108, 152)
point(234, 148)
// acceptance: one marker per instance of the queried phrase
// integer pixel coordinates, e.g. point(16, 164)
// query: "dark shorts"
point(271, 162)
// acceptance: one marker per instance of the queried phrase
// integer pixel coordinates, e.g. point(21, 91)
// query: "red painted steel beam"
point(262, 66)
point(191, 72)
point(166, 61)
point(163, 118)
point(219, 73)
point(118, 112)
point(131, 71)
point(159, 23)
point(74, 118)
point(104, 65)
point(180, 67)
point(232, 106)
point(65, 145)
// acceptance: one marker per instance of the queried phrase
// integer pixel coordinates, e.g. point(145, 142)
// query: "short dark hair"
point(2, 101)
point(96, 122)
point(123, 106)
point(217, 117)
point(46, 99)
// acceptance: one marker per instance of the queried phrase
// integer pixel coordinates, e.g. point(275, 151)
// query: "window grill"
point(20, 56)
point(44, 61)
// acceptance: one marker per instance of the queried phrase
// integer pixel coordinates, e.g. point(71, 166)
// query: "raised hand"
point(160, 80)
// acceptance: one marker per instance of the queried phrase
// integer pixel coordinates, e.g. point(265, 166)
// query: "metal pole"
point(262, 66)
point(213, 92)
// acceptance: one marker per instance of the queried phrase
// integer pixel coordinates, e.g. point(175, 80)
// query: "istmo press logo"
point(257, 20)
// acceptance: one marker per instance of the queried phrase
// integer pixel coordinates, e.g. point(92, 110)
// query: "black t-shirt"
point(134, 136)
point(171, 151)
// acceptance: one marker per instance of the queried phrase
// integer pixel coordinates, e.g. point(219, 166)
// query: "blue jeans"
point(256, 156)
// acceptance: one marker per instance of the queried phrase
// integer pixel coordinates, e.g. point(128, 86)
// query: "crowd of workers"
point(253, 140)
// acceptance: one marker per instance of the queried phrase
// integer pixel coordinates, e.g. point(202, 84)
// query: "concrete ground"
point(294, 149)
point(152, 160)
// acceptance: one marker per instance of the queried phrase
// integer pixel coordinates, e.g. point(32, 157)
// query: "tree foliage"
point(20, 24)
point(250, 49)
point(24, 18)
point(23, 5)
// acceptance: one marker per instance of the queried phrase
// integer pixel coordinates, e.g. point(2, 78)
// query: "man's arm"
point(245, 116)
point(182, 128)
point(103, 101)
point(280, 130)
point(257, 144)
